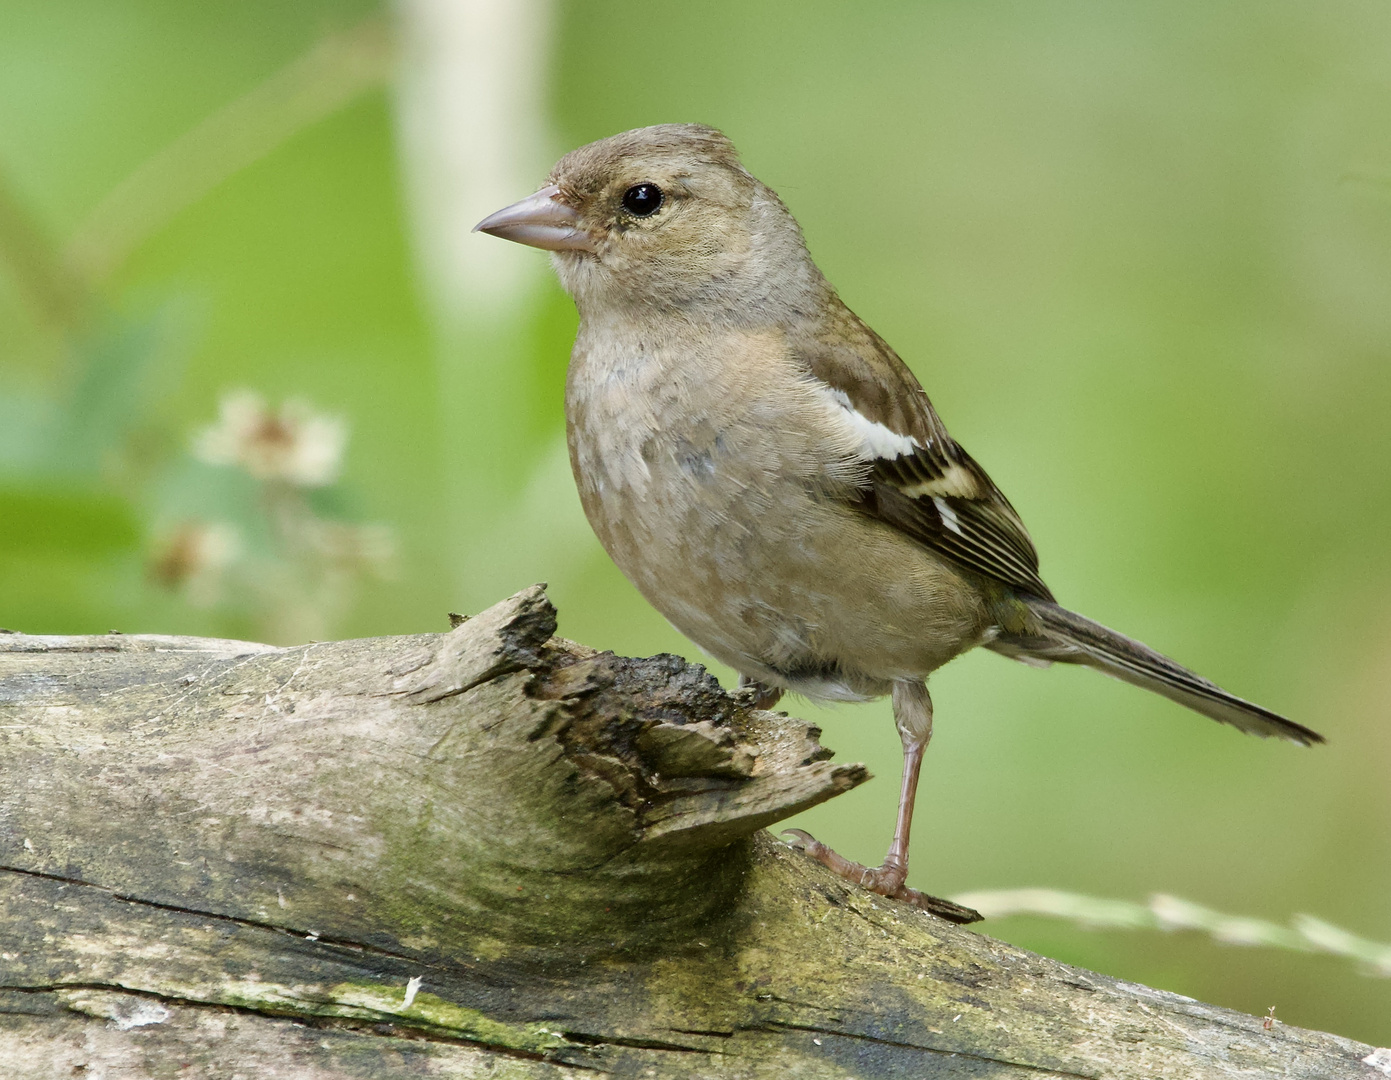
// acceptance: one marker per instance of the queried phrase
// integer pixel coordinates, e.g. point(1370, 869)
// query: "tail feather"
point(1072, 638)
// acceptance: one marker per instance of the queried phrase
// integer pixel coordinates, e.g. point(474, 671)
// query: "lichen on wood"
point(490, 852)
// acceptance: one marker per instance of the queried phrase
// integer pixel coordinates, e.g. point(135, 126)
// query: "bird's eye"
point(642, 200)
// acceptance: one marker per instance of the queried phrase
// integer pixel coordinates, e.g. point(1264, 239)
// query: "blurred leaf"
point(115, 389)
point(334, 501)
point(27, 423)
point(55, 292)
point(192, 489)
point(70, 522)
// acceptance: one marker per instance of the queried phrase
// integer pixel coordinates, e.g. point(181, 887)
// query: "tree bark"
point(491, 852)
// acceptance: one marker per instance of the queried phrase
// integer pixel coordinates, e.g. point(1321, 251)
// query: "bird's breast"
point(672, 431)
point(715, 479)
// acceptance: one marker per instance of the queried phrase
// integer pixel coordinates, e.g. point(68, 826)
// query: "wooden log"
point(491, 852)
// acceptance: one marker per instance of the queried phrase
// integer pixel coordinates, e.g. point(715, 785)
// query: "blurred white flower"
point(295, 443)
point(301, 571)
point(193, 556)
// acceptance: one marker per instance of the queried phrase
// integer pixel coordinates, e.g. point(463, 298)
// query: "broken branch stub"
point(441, 794)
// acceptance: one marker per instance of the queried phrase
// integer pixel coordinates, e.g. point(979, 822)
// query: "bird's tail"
point(1071, 638)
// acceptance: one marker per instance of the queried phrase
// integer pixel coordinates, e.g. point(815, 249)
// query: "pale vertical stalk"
point(472, 119)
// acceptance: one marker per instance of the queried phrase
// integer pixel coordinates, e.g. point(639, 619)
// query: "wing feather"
point(920, 480)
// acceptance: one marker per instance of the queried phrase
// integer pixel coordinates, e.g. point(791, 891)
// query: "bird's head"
point(663, 217)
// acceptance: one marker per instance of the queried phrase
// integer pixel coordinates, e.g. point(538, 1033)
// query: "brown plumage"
point(770, 474)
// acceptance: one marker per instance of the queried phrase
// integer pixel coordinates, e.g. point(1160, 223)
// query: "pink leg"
point(913, 716)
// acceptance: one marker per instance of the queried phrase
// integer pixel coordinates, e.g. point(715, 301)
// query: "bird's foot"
point(759, 695)
point(886, 880)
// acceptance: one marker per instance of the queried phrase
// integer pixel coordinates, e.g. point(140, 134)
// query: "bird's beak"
point(541, 221)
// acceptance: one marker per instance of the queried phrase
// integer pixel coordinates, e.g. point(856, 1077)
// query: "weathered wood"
point(223, 858)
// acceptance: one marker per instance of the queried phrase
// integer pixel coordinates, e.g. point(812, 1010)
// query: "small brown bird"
point(769, 473)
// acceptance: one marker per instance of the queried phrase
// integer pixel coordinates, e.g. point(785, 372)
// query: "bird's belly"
point(762, 568)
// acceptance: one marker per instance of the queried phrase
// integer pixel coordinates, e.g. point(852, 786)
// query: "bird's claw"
point(885, 880)
point(756, 694)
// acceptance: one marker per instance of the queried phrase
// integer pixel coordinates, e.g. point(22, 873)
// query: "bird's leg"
point(764, 697)
point(913, 716)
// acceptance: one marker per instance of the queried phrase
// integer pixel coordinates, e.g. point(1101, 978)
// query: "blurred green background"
point(1139, 254)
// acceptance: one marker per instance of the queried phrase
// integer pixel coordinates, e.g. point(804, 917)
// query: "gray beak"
point(540, 221)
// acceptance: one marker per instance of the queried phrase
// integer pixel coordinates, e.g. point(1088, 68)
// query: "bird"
point(773, 478)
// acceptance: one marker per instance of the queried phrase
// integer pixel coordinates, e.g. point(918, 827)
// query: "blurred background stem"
point(59, 298)
point(472, 112)
point(1304, 934)
point(335, 71)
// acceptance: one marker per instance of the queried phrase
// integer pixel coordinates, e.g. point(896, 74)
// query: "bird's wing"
point(920, 481)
